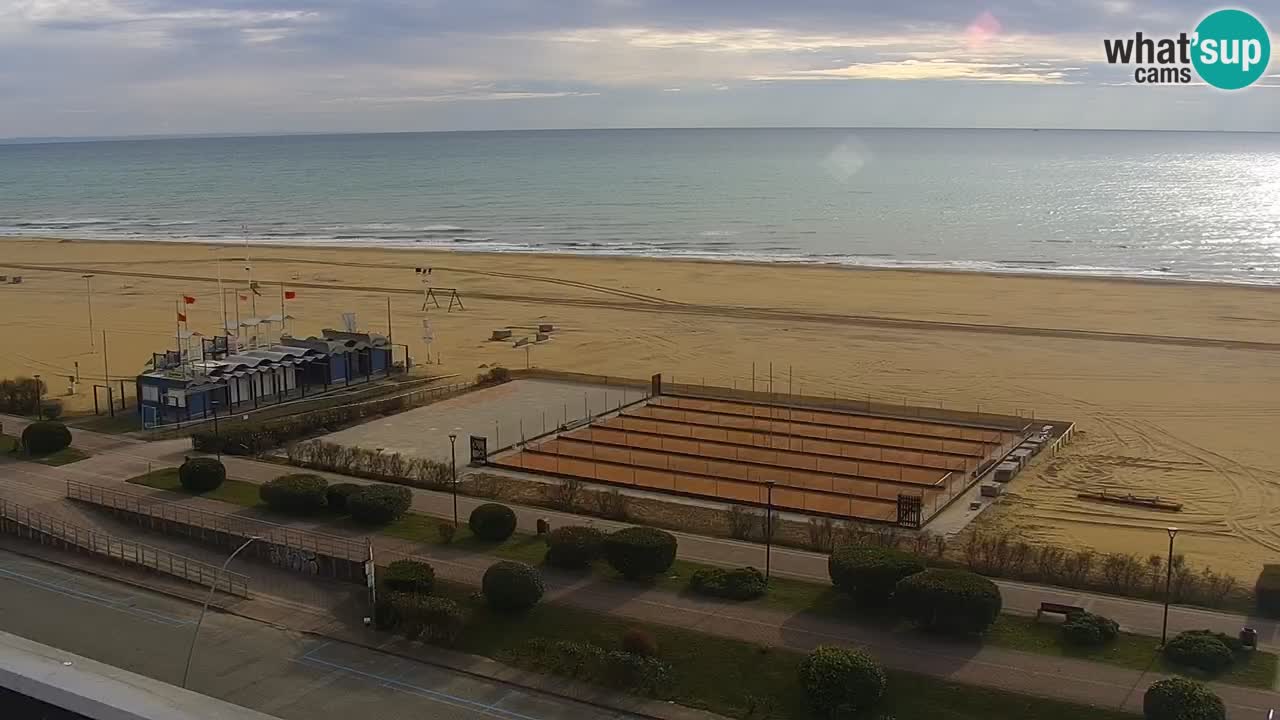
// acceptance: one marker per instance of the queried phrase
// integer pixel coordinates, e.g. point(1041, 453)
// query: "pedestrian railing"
point(22, 521)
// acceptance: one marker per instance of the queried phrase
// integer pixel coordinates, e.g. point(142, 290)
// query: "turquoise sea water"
point(1196, 206)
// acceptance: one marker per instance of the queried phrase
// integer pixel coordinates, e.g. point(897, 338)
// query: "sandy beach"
point(1175, 387)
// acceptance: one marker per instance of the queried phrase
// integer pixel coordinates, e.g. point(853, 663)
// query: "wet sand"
point(1175, 387)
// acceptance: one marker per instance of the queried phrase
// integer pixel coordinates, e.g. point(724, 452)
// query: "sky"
point(132, 67)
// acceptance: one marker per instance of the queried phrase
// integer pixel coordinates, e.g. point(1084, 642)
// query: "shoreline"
point(1033, 272)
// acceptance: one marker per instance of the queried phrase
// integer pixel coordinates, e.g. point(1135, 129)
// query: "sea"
point(1192, 206)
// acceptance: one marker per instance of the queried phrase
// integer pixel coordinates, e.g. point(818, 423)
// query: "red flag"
point(289, 294)
point(244, 297)
point(188, 300)
point(182, 317)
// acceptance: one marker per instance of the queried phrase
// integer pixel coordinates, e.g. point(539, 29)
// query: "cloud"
point(935, 70)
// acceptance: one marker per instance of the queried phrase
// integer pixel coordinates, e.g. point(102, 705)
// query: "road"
point(263, 667)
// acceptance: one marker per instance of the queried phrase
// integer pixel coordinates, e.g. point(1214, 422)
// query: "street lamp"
point(453, 470)
point(768, 528)
point(39, 397)
point(88, 287)
point(208, 599)
point(1168, 580)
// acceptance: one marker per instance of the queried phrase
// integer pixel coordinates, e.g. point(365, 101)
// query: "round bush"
point(1199, 649)
point(841, 683)
point(1181, 699)
point(639, 642)
point(492, 522)
point(640, 553)
point(201, 474)
point(510, 586)
point(574, 547)
point(335, 496)
point(379, 504)
point(870, 574)
point(51, 409)
point(744, 583)
point(299, 494)
point(409, 576)
point(43, 438)
point(1084, 629)
point(949, 601)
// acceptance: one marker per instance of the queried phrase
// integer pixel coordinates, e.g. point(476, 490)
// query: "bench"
point(1058, 609)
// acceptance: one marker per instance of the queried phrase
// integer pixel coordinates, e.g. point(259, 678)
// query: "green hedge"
point(640, 553)
point(44, 438)
point(492, 522)
point(434, 619)
point(1084, 629)
point(410, 576)
point(574, 547)
point(300, 494)
point(744, 583)
point(19, 396)
point(841, 683)
point(510, 586)
point(948, 601)
point(593, 664)
point(1203, 649)
point(870, 574)
point(201, 474)
point(1181, 699)
point(379, 504)
point(335, 496)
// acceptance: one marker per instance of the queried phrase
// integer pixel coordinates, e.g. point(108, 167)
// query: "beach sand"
point(1175, 387)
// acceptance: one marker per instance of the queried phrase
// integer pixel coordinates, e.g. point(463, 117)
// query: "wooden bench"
point(1057, 609)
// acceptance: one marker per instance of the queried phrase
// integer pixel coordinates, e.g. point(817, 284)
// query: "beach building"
point(219, 378)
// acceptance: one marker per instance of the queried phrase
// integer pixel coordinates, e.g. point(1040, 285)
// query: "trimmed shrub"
point(574, 547)
point(949, 601)
point(1181, 699)
point(201, 474)
point(870, 574)
point(840, 682)
point(592, 663)
point(1084, 629)
point(639, 642)
point(640, 553)
point(492, 522)
point(298, 494)
point(335, 496)
point(434, 619)
point(45, 437)
point(744, 583)
point(510, 586)
point(1267, 591)
point(1208, 651)
point(379, 504)
point(409, 576)
point(51, 409)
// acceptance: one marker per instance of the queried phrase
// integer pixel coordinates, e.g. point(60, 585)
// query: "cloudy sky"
point(122, 67)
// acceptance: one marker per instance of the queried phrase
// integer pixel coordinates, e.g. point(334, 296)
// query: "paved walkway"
point(1068, 679)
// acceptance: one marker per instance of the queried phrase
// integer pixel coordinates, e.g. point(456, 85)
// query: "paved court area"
point(502, 413)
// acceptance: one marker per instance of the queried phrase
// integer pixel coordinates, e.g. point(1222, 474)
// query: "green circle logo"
point(1232, 49)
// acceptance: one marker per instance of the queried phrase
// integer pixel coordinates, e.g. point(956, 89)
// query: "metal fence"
point(24, 522)
point(221, 528)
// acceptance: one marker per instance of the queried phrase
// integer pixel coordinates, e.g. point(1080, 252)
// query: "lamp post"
point(768, 528)
point(217, 437)
point(39, 397)
point(208, 599)
point(453, 472)
point(1168, 581)
point(88, 288)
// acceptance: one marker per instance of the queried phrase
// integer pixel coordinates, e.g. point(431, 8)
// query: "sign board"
point(349, 321)
point(428, 332)
point(368, 573)
point(479, 449)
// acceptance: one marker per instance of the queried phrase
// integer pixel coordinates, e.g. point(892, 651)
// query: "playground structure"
point(793, 453)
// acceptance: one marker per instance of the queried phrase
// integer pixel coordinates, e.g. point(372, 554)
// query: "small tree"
point(201, 474)
point(492, 522)
point(949, 601)
point(410, 576)
point(1181, 699)
point(44, 438)
point(300, 494)
point(379, 504)
point(870, 574)
point(574, 547)
point(640, 553)
point(510, 586)
point(841, 683)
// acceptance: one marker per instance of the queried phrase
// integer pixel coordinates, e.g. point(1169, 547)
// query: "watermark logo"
point(1230, 49)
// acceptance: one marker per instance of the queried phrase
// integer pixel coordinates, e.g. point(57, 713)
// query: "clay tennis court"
point(821, 461)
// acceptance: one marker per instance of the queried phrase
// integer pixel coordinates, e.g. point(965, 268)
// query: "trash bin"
point(1249, 638)
point(544, 527)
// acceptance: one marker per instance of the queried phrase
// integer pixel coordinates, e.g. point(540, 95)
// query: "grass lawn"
point(65, 456)
point(1138, 652)
point(125, 421)
point(731, 677)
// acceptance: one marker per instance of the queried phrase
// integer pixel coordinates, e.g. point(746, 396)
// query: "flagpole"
point(222, 295)
point(282, 313)
point(177, 334)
